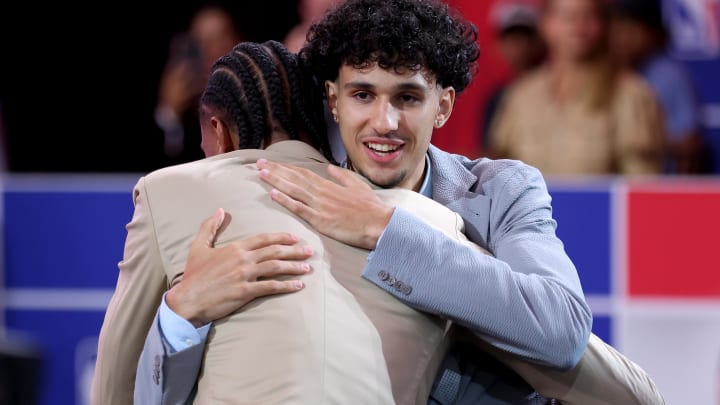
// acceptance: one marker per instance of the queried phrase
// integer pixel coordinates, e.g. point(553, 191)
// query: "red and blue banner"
point(646, 251)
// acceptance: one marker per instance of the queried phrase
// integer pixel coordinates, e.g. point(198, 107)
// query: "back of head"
point(397, 35)
point(259, 89)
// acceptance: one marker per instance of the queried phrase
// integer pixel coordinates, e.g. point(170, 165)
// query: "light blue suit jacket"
point(526, 300)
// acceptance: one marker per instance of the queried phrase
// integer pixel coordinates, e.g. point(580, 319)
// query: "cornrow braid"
point(252, 83)
point(258, 88)
point(275, 90)
point(306, 98)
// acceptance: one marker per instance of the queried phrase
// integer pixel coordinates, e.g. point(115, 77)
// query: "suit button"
point(399, 286)
point(390, 281)
point(383, 275)
point(406, 289)
point(156, 370)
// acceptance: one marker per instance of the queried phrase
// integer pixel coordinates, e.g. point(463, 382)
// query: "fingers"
point(276, 268)
point(209, 229)
point(269, 254)
point(296, 207)
point(272, 287)
point(262, 240)
point(297, 183)
point(215, 224)
point(281, 252)
point(276, 260)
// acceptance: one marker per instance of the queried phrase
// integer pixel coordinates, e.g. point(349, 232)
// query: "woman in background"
point(577, 114)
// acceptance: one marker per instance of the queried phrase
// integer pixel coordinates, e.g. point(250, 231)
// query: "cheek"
point(208, 145)
point(206, 149)
point(422, 129)
point(348, 132)
point(351, 120)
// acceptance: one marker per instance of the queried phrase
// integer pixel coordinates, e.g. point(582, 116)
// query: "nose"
point(385, 118)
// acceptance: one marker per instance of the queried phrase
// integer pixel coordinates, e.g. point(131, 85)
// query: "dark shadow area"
point(78, 85)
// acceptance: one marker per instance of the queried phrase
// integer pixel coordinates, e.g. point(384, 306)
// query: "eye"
point(361, 95)
point(409, 98)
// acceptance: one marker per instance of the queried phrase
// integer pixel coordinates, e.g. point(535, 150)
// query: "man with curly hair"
point(392, 70)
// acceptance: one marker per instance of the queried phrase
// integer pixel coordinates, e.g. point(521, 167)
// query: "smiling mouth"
point(382, 149)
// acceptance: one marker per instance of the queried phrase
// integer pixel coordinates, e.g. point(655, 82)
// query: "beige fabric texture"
point(604, 376)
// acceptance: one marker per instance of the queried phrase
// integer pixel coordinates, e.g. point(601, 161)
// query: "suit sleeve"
point(164, 377)
point(140, 284)
point(526, 300)
point(603, 376)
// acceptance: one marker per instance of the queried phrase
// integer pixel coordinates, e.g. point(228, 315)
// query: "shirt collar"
point(426, 188)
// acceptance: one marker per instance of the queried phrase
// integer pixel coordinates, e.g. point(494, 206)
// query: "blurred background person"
point(577, 114)
point(521, 46)
point(309, 11)
point(212, 32)
point(639, 41)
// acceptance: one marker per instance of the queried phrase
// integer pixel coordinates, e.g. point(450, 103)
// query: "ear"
point(332, 97)
point(445, 106)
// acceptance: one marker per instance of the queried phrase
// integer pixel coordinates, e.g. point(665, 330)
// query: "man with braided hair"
point(257, 90)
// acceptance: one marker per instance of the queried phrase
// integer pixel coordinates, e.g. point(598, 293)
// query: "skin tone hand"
point(218, 281)
point(346, 209)
point(178, 86)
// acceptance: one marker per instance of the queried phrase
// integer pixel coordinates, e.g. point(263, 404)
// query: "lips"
point(382, 149)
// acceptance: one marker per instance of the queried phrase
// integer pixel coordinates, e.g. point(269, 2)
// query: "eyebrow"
point(400, 87)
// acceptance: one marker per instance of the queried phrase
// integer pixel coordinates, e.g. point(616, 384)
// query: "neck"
point(567, 77)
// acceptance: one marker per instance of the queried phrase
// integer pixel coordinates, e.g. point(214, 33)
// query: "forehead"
point(377, 77)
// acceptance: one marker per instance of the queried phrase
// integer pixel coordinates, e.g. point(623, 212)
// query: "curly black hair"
point(396, 34)
point(258, 87)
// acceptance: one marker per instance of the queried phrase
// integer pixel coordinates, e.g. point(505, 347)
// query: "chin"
point(386, 181)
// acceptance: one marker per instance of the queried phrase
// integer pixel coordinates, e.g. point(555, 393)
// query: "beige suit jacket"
point(340, 338)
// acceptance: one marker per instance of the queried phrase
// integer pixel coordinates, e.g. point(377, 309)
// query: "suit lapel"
point(455, 187)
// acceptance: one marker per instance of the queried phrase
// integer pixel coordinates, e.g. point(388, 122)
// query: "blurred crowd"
point(592, 90)
point(212, 32)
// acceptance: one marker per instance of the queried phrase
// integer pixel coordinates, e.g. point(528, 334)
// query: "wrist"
point(377, 228)
point(182, 307)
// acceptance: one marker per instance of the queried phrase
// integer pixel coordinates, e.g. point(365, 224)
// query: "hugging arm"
point(165, 376)
point(215, 283)
point(604, 376)
point(530, 281)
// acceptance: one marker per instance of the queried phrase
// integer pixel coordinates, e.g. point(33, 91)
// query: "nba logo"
point(694, 28)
